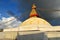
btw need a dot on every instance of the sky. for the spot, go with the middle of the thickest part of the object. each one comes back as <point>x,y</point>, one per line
<point>6,5</point>
<point>24,7</point>
<point>16,7</point>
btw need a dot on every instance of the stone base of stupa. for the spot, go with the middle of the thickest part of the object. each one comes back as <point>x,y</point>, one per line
<point>40,34</point>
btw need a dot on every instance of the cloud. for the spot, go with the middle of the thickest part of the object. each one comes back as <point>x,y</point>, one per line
<point>9,22</point>
<point>15,23</point>
<point>2,25</point>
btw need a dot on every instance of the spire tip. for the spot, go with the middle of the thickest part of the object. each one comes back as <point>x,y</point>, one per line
<point>33,12</point>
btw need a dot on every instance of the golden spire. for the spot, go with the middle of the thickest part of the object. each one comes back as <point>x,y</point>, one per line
<point>33,12</point>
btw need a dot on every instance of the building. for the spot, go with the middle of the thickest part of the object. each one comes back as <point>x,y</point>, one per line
<point>34,28</point>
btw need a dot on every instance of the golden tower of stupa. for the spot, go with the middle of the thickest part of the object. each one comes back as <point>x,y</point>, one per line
<point>33,12</point>
<point>34,19</point>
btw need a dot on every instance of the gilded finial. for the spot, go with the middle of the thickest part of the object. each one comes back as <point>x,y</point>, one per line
<point>33,12</point>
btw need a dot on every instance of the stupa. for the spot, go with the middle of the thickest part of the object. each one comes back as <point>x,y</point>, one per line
<point>32,23</point>
<point>34,28</point>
